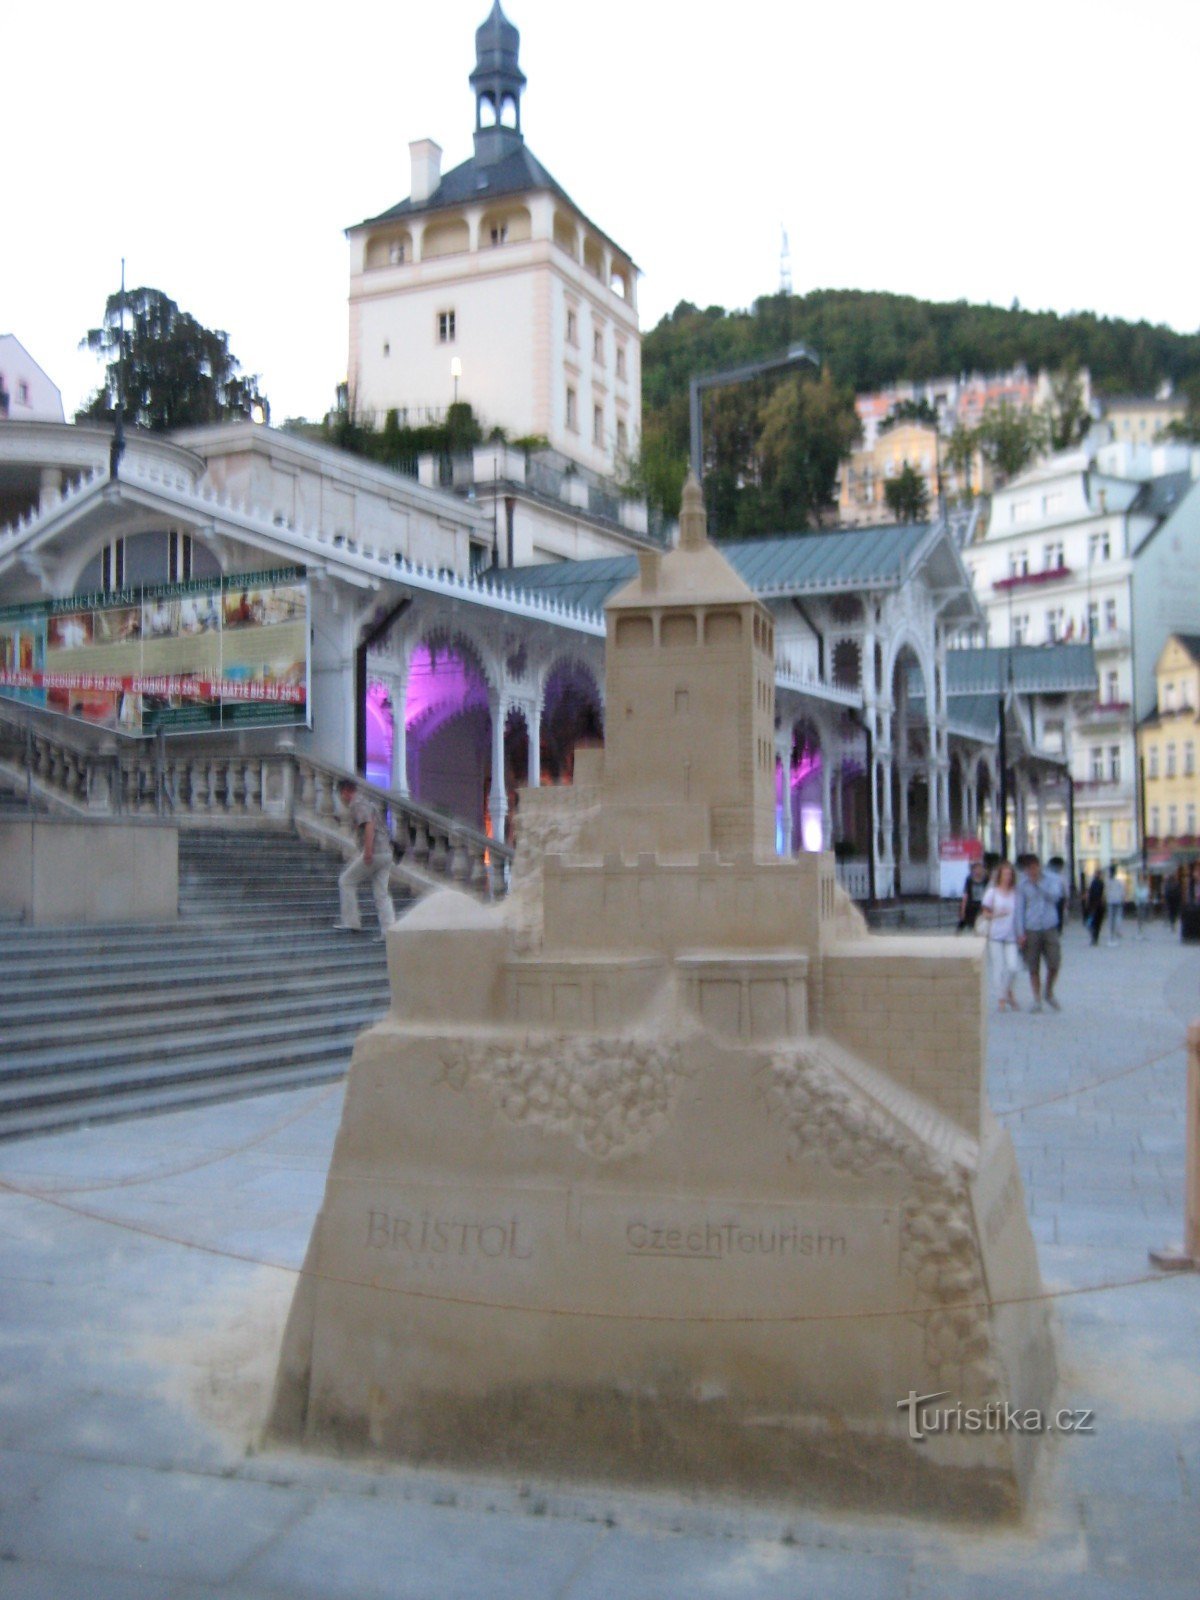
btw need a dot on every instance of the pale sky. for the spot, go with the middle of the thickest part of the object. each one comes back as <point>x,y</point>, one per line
<point>1040,151</point>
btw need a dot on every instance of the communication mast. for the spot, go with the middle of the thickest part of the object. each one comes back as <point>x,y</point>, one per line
<point>785,265</point>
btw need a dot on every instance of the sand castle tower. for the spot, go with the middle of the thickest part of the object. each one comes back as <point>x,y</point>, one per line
<point>664,1167</point>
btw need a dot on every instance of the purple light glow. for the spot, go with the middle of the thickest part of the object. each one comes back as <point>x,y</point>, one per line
<point>442,684</point>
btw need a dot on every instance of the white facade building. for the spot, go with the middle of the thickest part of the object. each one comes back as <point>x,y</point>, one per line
<point>1066,559</point>
<point>489,285</point>
<point>26,393</point>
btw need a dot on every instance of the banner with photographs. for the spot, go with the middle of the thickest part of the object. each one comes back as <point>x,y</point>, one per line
<point>180,657</point>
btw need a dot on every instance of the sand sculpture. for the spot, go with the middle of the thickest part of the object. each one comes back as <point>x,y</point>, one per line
<point>665,1167</point>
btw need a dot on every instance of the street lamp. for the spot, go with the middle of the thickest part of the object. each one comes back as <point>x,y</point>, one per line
<point>794,356</point>
<point>456,374</point>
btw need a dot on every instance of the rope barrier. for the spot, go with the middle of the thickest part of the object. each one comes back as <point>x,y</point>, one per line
<point>592,1315</point>
<point>1095,1083</point>
<point>178,1169</point>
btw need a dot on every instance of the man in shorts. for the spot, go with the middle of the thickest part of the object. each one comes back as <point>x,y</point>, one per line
<point>1035,918</point>
<point>372,863</point>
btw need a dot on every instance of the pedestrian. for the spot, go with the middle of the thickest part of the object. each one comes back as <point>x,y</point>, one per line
<point>1055,871</point>
<point>1093,905</point>
<point>999,904</point>
<point>1172,899</point>
<point>1035,921</point>
<point>972,897</point>
<point>371,864</point>
<point>1115,893</point>
<point>1141,902</point>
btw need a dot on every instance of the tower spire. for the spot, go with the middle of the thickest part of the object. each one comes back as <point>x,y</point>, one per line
<point>497,81</point>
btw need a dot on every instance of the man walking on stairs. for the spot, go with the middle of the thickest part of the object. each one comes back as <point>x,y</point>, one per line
<point>372,864</point>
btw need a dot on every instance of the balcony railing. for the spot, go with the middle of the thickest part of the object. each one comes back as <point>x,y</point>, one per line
<point>1018,580</point>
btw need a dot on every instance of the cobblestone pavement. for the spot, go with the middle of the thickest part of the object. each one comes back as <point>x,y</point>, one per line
<point>134,1373</point>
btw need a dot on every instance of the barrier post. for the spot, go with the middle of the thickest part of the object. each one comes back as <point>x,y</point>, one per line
<point>1188,1259</point>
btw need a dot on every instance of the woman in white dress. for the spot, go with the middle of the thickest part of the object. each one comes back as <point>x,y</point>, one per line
<point>1004,957</point>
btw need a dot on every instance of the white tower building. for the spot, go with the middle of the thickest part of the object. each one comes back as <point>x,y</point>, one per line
<point>489,285</point>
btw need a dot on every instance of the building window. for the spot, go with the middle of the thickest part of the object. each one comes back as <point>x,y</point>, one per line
<point>598,347</point>
<point>572,329</point>
<point>1020,629</point>
<point>1189,760</point>
<point>22,392</point>
<point>1093,833</point>
<point>1170,761</point>
<point>621,361</point>
<point>1168,697</point>
<point>1154,761</point>
<point>479,557</point>
<point>112,565</point>
<point>622,439</point>
<point>1018,561</point>
<point>1185,695</point>
<point>1097,763</point>
<point>1054,624</point>
<point>1191,822</point>
<point>1022,510</point>
<point>572,410</point>
<point>1114,762</point>
<point>1112,691</point>
<point>1155,820</point>
<point>1052,504</point>
<point>396,254</point>
<point>500,234</point>
<point>1098,546</point>
<point>446,328</point>
<point>1172,821</point>
<point>598,426</point>
<point>1052,556</point>
<point>1110,616</point>
<point>1093,619</point>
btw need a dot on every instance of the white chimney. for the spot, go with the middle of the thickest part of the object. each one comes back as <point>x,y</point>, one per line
<point>426,168</point>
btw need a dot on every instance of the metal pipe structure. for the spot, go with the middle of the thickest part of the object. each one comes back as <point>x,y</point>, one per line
<point>794,356</point>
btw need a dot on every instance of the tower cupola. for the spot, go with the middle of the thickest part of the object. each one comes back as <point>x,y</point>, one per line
<point>497,81</point>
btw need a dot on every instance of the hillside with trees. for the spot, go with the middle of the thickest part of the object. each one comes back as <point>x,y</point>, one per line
<point>773,446</point>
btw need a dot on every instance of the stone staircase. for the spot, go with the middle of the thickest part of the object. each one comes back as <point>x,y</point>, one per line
<point>251,990</point>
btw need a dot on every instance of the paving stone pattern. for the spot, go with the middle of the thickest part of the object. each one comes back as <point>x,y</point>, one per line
<point>133,1371</point>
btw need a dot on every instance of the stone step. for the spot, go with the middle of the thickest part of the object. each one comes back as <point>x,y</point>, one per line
<point>134,983</point>
<point>251,958</point>
<point>65,1071</point>
<point>123,1101</point>
<point>69,1023</point>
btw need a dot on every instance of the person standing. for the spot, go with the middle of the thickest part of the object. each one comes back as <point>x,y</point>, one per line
<point>1093,906</point>
<point>1035,920</point>
<point>1141,902</point>
<point>1116,905</point>
<point>972,898</point>
<point>999,904</point>
<point>1172,899</point>
<point>372,864</point>
<point>1057,884</point>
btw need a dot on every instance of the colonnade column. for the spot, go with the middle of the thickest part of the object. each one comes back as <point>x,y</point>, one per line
<point>783,755</point>
<point>498,705</point>
<point>533,722</point>
<point>398,689</point>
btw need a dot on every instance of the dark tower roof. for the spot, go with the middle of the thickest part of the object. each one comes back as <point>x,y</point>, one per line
<point>497,81</point>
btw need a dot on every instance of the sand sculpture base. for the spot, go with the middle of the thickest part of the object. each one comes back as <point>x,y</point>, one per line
<point>698,1246</point>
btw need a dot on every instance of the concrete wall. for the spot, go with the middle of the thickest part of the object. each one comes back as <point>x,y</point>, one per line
<point>66,873</point>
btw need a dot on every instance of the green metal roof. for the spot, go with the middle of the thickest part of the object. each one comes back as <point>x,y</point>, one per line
<point>1035,669</point>
<point>790,563</point>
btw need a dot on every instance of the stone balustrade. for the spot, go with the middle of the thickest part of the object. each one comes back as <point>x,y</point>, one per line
<point>195,788</point>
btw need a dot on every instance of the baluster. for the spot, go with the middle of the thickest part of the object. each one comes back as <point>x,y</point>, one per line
<point>460,867</point>
<point>440,854</point>
<point>198,786</point>
<point>307,799</point>
<point>252,780</point>
<point>420,843</point>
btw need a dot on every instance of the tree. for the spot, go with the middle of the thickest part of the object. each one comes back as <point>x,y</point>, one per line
<point>1068,418</point>
<point>808,426</point>
<point>177,373</point>
<point>910,411</point>
<point>960,451</point>
<point>906,495</point>
<point>1009,438</point>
